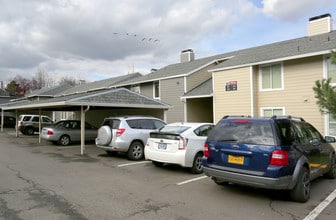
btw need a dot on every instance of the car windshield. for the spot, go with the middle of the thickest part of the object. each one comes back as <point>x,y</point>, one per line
<point>243,131</point>
<point>174,129</point>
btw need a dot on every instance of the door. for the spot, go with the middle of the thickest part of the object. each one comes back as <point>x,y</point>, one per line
<point>309,147</point>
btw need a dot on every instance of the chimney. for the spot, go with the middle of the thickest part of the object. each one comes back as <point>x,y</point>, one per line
<point>187,55</point>
<point>319,25</point>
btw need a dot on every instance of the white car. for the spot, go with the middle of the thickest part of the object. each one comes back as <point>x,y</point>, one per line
<point>178,143</point>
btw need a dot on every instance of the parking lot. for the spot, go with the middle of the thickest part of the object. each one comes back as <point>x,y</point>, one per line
<point>45,181</point>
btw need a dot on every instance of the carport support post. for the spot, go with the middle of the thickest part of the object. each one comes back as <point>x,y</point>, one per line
<point>2,119</point>
<point>82,130</point>
<point>40,126</point>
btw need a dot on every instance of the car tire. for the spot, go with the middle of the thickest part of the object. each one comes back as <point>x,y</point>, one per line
<point>135,151</point>
<point>29,131</point>
<point>220,182</point>
<point>331,174</point>
<point>104,135</point>
<point>301,191</point>
<point>197,166</point>
<point>157,163</point>
<point>64,140</point>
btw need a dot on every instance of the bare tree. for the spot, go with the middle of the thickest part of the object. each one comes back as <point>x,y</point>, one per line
<point>68,80</point>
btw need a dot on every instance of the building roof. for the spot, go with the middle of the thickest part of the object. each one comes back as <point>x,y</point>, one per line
<point>202,90</point>
<point>101,84</point>
<point>284,50</point>
<point>3,93</point>
<point>49,92</point>
<point>120,97</point>
<point>177,70</point>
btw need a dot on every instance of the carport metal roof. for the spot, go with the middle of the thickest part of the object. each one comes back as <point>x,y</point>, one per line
<point>104,98</point>
<point>120,97</point>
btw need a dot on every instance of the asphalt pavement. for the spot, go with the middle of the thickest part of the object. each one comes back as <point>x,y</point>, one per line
<point>46,181</point>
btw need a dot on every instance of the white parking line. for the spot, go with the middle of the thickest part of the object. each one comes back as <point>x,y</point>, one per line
<point>313,214</point>
<point>191,180</point>
<point>135,163</point>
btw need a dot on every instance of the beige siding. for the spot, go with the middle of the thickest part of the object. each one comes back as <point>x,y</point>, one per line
<point>199,110</point>
<point>298,96</point>
<point>232,102</point>
<point>320,26</point>
<point>96,117</point>
<point>147,89</point>
<point>171,91</point>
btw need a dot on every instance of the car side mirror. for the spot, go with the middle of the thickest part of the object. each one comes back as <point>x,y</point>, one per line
<point>330,139</point>
<point>314,142</point>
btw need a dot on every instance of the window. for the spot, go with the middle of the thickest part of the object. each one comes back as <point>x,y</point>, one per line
<point>269,112</point>
<point>331,71</point>
<point>332,125</point>
<point>271,77</point>
<point>156,90</point>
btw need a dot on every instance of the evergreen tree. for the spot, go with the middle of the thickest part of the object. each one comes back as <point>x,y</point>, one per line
<point>326,93</point>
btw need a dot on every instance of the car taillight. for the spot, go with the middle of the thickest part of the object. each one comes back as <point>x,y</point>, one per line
<point>50,132</point>
<point>120,131</point>
<point>206,152</point>
<point>279,158</point>
<point>21,123</point>
<point>182,143</point>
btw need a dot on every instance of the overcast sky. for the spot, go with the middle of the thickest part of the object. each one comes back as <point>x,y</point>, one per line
<point>99,39</point>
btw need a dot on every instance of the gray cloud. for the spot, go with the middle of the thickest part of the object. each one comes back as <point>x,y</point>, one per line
<point>89,39</point>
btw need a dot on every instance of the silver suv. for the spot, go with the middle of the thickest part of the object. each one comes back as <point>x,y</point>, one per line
<point>28,124</point>
<point>127,134</point>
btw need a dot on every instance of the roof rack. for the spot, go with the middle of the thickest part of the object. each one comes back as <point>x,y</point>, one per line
<point>287,117</point>
<point>226,116</point>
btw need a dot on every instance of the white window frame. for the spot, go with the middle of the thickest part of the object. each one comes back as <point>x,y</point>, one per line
<point>154,93</point>
<point>261,79</point>
<point>262,109</point>
<point>327,60</point>
<point>327,115</point>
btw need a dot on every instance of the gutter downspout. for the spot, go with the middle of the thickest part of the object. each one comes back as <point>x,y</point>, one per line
<point>83,111</point>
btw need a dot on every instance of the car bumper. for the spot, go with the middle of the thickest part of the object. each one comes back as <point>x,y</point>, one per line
<point>249,180</point>
<point>121,147</point>
<point>49,137</point>
<point>178,157</point>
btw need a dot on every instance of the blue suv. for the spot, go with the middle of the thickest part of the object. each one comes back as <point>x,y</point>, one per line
<point>282,153</point>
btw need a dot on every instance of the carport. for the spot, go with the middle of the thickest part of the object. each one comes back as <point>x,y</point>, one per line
<point>119,100</point>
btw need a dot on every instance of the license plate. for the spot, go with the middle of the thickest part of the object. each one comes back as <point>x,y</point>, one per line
<point>236,159</point>
<point>162,146</point>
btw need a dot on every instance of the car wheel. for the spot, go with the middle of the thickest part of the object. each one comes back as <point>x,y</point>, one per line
<point>157,164</point>
<point>135,151</point>
<point>301,191</point>
<point>64,140</point>
<point>197,166</point>
<point>29,131</point>
<point>331,174</point>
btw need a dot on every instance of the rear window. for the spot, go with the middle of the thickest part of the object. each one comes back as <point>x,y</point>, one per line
<point>243,131</point>
<point>26,118</point>
<point>113,123</point>
<point>174,129</point>
<point>142,124</point>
